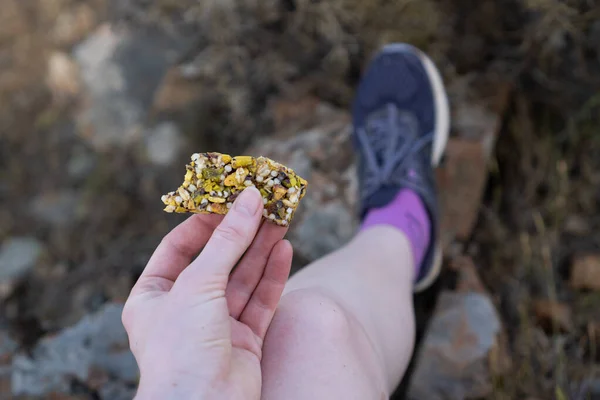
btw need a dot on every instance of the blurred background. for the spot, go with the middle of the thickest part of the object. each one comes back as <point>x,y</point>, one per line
<point>103,101</point>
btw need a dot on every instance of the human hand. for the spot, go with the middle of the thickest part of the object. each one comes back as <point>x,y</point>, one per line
<point>196,330</point>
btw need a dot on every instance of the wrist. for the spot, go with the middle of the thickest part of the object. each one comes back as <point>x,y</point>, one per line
<point>172,383</point>
<point>172,388</point>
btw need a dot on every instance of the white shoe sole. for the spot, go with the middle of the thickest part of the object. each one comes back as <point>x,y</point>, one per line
<point>440,139</point>
<point>442,108</point>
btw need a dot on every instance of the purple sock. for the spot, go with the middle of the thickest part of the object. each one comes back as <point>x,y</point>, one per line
<point>408,214</point>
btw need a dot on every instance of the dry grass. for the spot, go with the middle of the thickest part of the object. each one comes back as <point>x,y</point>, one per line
<point>547,173</point>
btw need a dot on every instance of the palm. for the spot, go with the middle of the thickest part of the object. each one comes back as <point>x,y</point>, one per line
<point>179,312</point>
<point>242,355</point>
<point>246,370</point>
<point>244,327</point>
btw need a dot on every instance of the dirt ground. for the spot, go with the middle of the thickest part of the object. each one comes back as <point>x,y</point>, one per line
<point>89,205</point>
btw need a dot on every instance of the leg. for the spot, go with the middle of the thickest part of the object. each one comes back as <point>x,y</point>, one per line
<point>345,326</point>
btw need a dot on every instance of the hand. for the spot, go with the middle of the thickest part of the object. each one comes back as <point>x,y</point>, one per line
<point>197,329</point>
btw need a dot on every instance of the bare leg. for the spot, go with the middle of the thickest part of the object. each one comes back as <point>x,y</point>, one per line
<point>345,325</point>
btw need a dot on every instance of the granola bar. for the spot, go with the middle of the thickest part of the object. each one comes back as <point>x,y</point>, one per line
<point>213,181</point>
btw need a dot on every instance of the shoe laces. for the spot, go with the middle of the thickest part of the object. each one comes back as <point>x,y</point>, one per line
<point>389,141</point>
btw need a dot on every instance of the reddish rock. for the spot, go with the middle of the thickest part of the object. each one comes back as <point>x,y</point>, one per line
<point>585,272</point>
<point>462,176</point>
<point>97,377</point>
<point>63,396</point>
<point>464,347</point>
<point>593,331</point>
<point>461,181</point>
<point>553,316</point>
<point>577,225</point>
<point>293,113</point>
<point>7,349</point>
<point>63,78</point>
<point>468,280</point>
<point>176,92</point>
<point>463,337</point>
<point>73,24</point>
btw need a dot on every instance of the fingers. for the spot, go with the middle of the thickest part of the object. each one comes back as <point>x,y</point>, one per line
<point>227,244</point>
<point>175,252</point>
<point>262,305</point>
<point>250,269</point>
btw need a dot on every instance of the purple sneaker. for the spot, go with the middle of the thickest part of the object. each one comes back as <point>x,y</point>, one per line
<point>401,124</point>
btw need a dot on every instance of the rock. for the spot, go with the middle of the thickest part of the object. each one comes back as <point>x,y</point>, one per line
<point>323,230</point>
<point>585,272</point>
<point>469,280</point>
<point>176,92</point>
<point>56,208</point>
<point>453,361</point>
<point>473,121</point>
<point>73,24</point>
<point>62,396</point>
<point>110,117</point>
<point>120,71</point>
<point>163,143</point>
<point>463,174</point>
<point>593,330</point>
<point>18,256</point>
<point>7,349</point>
<point>294,113</point>
<point>577,225</point>
<point>323,155</point>
<point>553,316</point>
<point>63,76</point>
<point>464,345</point>
<point>81,163</point>
<point>117,391</point>
<point>594,37</point>
<point>93,351</point>
<point>558,40</point>
<point>120,286</point>
<point>594,389</point>
<point>461,182</point>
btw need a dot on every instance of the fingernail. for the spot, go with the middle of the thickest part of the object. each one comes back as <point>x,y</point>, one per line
<point>248,202</point>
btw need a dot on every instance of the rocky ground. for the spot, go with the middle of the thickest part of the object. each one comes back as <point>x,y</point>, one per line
<point>101,102</point>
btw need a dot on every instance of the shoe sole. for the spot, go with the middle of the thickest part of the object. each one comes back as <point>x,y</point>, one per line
<point>440,139</point>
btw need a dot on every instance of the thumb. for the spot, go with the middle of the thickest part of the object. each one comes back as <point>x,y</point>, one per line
<point>229,241</point>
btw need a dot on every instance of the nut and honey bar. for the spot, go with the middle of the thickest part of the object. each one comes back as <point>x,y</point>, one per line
<point>213,181</point>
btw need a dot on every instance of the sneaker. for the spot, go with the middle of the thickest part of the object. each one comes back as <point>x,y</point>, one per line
<point>401,124</point>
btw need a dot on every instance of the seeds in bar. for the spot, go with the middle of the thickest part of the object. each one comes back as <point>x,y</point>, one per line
<point>213,181</point>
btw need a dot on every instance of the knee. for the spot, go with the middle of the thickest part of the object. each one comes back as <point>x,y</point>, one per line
<point>314,347</point>
<point>313,313</point>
